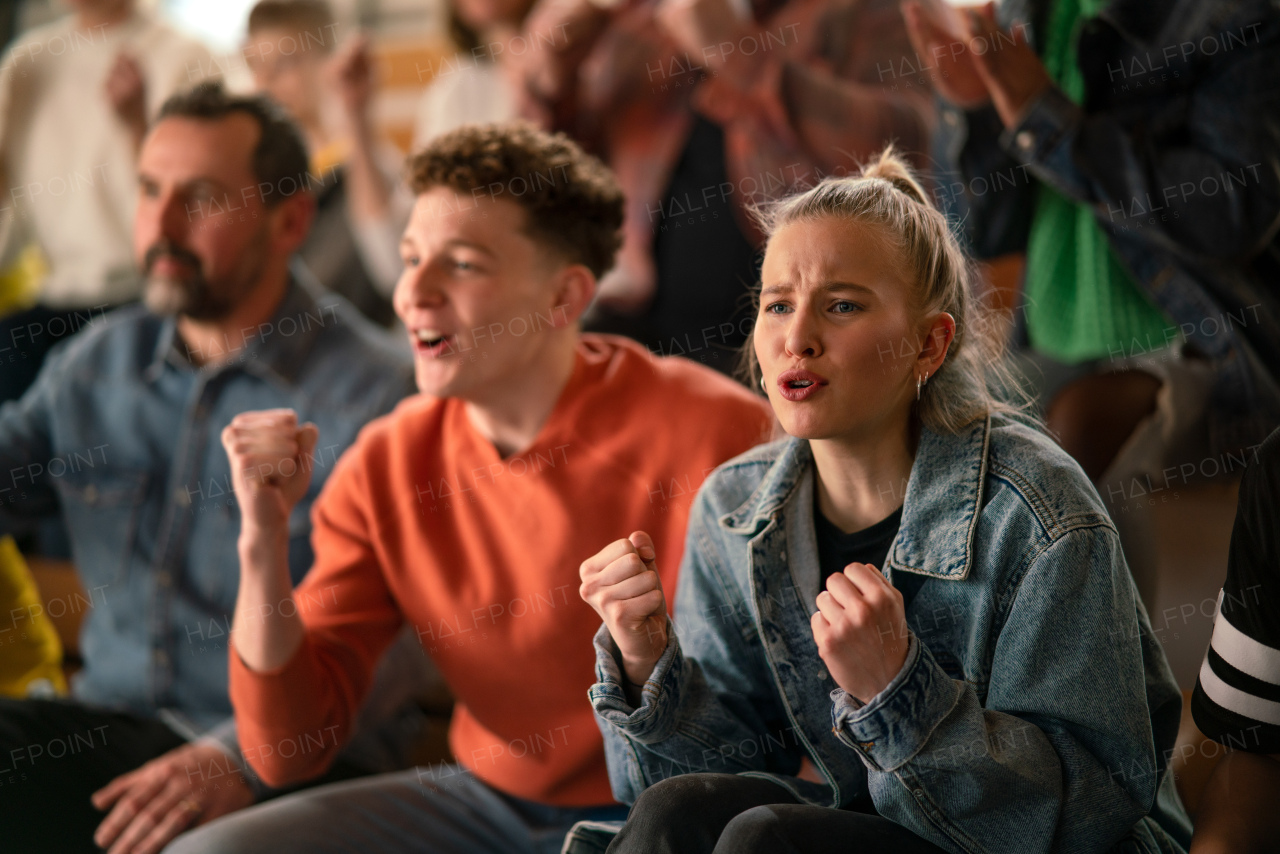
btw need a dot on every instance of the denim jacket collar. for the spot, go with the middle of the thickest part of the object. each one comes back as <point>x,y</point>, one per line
<point>276,356</point>
<point>1152,24</point>
<point>939,514</point>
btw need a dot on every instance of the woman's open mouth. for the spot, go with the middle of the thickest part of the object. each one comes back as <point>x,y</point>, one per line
<point>800,385</point>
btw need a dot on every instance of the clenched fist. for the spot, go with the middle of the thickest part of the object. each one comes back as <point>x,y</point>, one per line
<point>622,584</point>
<point>271,458</point>
<point>861,630</point>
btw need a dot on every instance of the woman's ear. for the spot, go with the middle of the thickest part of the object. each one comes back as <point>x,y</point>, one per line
<point>937,341</point>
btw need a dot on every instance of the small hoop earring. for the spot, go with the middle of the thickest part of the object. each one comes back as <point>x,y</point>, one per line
<point>920,384</point>
<point>763,387</point>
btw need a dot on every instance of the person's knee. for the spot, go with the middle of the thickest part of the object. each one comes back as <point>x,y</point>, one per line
<point>226,835</point>
<point>673,796</point>
<point>757,830</point>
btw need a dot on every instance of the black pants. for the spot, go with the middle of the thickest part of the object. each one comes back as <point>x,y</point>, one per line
<point>53,755</point>
<point>728,814</point>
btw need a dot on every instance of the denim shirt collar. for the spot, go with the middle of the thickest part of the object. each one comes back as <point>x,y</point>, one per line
<point>274,354</point>
<point>939,514</point>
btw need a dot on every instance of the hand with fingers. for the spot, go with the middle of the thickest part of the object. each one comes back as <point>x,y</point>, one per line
<point>126,90</point>
<point>152,805</point>
<point>351,74</point>
<point>271,458</point>
<point>1009,67</point>
<point>860,629</point>
<point>621,583</point>
<point>978,63</point>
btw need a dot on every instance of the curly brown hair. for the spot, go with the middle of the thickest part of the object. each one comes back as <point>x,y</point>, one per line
<point>572,203</point>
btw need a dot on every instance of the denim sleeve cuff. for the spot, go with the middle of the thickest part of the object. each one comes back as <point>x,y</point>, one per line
<point>1042,126</point>
<point>894,726</point>
<point>225,737</point>
<point>655,718</point>
<point>1044,140</point>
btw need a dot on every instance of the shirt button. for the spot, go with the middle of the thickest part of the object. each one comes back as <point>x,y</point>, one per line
<point>90,494</point>
<point>162,658</point>
<point>950,117</point>
<point>823,674</point>
<point>163,579</point>
<point>1026,140</point>
<point>182,496</point>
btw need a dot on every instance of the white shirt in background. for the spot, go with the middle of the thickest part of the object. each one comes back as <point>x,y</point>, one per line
<point>470,94</point>
<point>68,160</point>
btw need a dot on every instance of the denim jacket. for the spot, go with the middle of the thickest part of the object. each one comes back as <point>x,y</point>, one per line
<point>121,434</point>
<point>1176,150</point>
<point>1035,711</point>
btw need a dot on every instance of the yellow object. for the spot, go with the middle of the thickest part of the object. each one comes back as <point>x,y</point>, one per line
<point>329,158</point>
<point>30,653</point>
<point>20,283</point>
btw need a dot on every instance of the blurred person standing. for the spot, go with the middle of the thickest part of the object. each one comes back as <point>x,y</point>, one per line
<point>702,107</point>
<point>1126,148</point>
<point>118,437</point>
<point>294,56</point>
<point>479,83</point>
<point>75,97</point>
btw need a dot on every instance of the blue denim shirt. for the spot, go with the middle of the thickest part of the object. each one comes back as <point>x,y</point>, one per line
<point>123,434</point>
<point>1176,151</point>
<point>1034,713</point>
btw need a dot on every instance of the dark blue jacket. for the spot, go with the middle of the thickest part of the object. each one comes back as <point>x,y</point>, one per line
<point>1177,150</point>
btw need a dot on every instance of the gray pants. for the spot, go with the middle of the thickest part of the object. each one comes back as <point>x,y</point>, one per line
<point>440,809</point>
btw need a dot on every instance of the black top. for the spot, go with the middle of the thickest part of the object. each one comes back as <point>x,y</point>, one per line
<point>836,549</point>
<point>706,266</point>
<point>1237,697</point>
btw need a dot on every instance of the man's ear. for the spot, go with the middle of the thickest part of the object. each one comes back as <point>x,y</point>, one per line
<point>575,287</point>
<point>292,221</point>
<point>936,342</point>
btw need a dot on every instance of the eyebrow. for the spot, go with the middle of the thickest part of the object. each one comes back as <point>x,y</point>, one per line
<point>829,287</point>
<point>467,244</point>
<point>408,242</point>
<point>145,178</point>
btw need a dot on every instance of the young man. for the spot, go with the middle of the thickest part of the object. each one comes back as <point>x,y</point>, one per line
<point>120,431</point>
<point>467,512</point>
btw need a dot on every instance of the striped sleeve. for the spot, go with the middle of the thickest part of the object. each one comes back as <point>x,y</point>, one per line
<point>1237,696</point>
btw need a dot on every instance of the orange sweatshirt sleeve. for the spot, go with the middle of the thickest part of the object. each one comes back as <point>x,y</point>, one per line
<point>293,721</point>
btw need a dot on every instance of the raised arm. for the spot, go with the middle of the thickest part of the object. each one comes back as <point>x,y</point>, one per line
<point>301,661</point>
<point>1064,750</point>
<point>705,698</point>
<point>270,473</point>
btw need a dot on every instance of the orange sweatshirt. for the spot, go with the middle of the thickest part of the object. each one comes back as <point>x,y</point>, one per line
<point>423,522</point>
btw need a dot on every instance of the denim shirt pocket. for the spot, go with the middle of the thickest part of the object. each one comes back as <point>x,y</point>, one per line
<point>215,575</point>
<point>102,508</point>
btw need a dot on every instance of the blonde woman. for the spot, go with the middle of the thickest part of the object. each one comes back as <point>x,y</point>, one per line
<point>907,627</point>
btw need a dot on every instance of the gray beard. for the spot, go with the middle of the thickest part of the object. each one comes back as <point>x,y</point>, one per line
<point>193,298</point>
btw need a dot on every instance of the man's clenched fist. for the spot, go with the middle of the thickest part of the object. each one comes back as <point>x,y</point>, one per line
<point>622,584</point>
<point>271,458</point>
